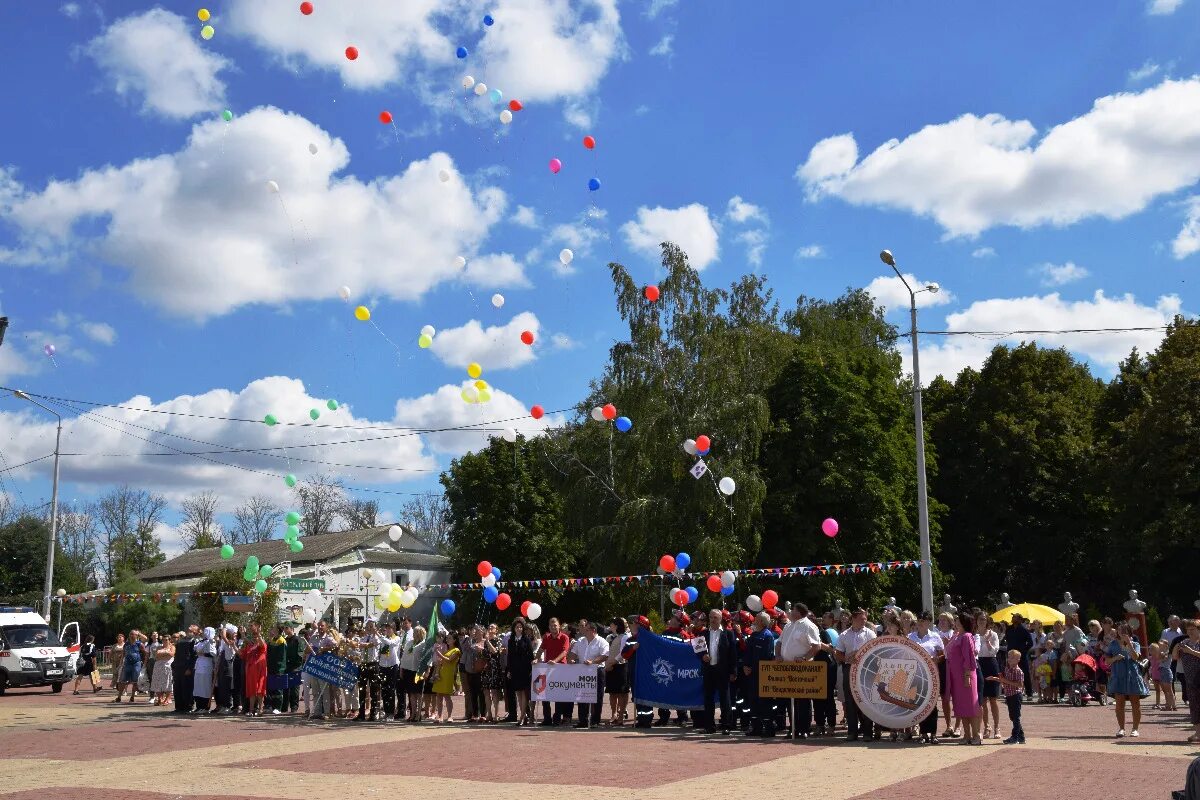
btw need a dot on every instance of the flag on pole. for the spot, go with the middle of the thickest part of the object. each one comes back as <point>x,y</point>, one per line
<point>426,659</point>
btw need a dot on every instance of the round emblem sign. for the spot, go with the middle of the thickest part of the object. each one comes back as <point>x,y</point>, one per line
<point>894,682</point>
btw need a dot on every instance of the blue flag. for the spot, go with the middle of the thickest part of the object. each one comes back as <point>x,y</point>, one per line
<point>666,673</point>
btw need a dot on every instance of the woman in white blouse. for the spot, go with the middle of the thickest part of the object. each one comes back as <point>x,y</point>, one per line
<point>989,666</point>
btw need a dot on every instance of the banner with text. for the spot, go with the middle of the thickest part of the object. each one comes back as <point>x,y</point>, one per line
<point>803,680</point>
<point>666,673</point>
<point>565,683</point>
<point>331,669</point>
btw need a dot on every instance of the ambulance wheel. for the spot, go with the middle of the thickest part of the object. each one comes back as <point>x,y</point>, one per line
<point>56,688</point>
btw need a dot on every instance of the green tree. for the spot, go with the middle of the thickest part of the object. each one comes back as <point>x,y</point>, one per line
<point>126,520</point>
<point>116,615</point>
<point>212,610</point>
<point>23,545</point>
<point>199,527</point>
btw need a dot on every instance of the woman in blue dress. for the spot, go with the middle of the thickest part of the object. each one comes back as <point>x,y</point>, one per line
<point>1125,682</point>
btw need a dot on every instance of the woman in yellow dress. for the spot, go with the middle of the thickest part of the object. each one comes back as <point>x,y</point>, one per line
<point>446,669</point>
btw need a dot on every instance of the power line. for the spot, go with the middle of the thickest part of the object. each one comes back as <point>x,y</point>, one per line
<point>1036,332</point>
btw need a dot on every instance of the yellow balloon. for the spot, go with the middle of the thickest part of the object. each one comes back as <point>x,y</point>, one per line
<point>393,607</point>
<point>481,385</point>
<point>207,32</point>
<point>380,602</point>
<point>362,313</point>
<point>203,15</point>
<point>484,395</point>
<point>470,394</point>
<point>474,370</point>
<point>424,341</point>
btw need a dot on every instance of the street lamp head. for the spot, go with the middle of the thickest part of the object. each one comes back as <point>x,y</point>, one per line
<point>19,394</point>
<point>887,258</point>
<point>933,288</point>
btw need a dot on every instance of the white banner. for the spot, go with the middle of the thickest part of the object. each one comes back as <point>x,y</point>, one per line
<point>565,683</point>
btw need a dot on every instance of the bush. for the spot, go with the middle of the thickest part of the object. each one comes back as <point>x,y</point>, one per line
<point>230,581</point>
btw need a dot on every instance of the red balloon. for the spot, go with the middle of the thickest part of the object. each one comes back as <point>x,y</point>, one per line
<point>589,143</point>
<point>385,117</point>
<point>537,412</point>
<point>703,443</point>
<point>667,563</point>
<point>769,598</point>
<point>527,337</point>
<point>352,52</point>
<point>680,597</point>
<point>306,8</point>
<point>484,568</point>
<point>610,411</point>
<point>714,583</point>
<point>515,105</point>
<point>524,607</point>
<point>503,601</point>
<point>651,293</point>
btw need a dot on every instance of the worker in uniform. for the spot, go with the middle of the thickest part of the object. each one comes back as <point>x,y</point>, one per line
<point>760,647</point>
<point>677,631</point>
<point>742,628</point>
<point>644,715</point>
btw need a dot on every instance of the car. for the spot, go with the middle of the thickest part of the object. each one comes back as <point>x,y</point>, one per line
<point>31,654</point>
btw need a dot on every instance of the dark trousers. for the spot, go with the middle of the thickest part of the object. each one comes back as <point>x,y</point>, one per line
<point>857,723</point>
<point>825,710</point>
<point>1028,674</point>
<point>1014,716</point>
<point>800,716</point>
<point>664,716</point>
<point>472,684</point>
<point>762,713</point>
<point>277,697</point>
<point>716,681</point>
<point>930,723</point>
<point>510,702</point>
<point>368,684</point>
<point>239,684</point>
<point>389,678</point>
<point>224,669</point>
<point>589,713</point>
<point>562,712</point>
<point>741,705</point>
<point>184,699</point>
<point>644,716</point>
<point>291,695</point>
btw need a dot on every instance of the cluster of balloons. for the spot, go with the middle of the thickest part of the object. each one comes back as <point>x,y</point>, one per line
<point>253,572</point>
<point>391,596</point>
<point>681,597</point>
<point>50,350</point>
<point>721,583</point>
<point>270,420</point>
<point>769,599</point>
<point>479,391</point>
<point>530,610</point>
<point>698,446</point>
<point>488,576</point>
<point>309,615</point>
<point>207,31</point>
<point>495,95</point>
<point>669,564</point>
<point>291,534</point>
<point>425,338</point>
<point>609,412</point>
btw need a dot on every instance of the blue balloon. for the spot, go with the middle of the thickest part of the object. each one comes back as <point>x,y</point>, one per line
<point>487,20</point>
<point>594,184</point>
<point>448,607</point>
<point>701,453</point>
<point>461,52</point>
<point>490,594</point>
<point>623,424</point>
<point>726,591</point>
<point>692,593</point>
<point>496,573</point>
<point>495,95</point>
<point>683,561</point>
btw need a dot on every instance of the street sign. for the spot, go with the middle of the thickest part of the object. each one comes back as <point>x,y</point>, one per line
<point>301,584</point>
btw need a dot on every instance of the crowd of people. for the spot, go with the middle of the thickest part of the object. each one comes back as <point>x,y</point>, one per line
<point>408,675</point>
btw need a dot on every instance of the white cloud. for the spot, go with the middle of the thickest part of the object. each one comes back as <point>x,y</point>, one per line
<point>445,408</point>
<point>495,271</point>
<point>14,361</point>
<point>664,46</point>
<point>974,173</point>
<point>689,227</point>
<point>983,252</point>
<point>756,244</point>
<point>642,110</point>
<point>656,7</point>
<point>810,251</point>
<point>100,332</point>
<point>1061,274</point>
<point>741,212</point>
<point>1163,7</point>
<point>1147,70</point>
<point>70,10</point>
<point>561,341</point>
<point>526,217</point>
<point>950,354</point>
<point>396,236</point>
<point>156,57</point>
<point>581,237</point>
<point>890,293</point>
<point>494,348</point>
<point>1188,239</point>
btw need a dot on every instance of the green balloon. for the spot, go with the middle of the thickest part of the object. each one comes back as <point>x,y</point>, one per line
<point>314,413</point>
<point>260,586</point>
<point>332,405</point>
<point>289,479</point>
<point>265,571</point>
<point>292,518</point>
<point>252,563</point>
<point>227,115</point>
<point>270,419</point>
<point>296,546</point>
<point>293,532</point>
<point>226,551</point>
<point>249,574</point>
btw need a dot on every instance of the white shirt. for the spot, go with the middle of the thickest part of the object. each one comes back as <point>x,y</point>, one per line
<point>931,642</point>
<point>851,640</point>
<point>988,644</point>
<point>1169,634</point>
<point>392,657</point>
<point>408,652</point>
<point>370,651</point>
<point>714,647</point>
<point>594,650</point>
<point>798,638</point>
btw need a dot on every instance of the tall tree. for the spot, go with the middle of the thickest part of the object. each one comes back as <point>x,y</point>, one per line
<point>23,544</point>
<point>127,519</point>
<point>254,520</point>
<point>199,527</point>
<point>429,516</point>
<point>77,532</point>
<point>321,498</point>
<point>357,513</point>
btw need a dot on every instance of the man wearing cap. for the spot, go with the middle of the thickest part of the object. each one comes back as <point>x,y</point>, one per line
<point>643,714</point>
<point>676,631</point>
<point>800,641</point>
<point>849,643</point>
<point>719,670</point>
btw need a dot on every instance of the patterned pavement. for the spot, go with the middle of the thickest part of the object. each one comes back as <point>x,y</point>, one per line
<point>61,746</point>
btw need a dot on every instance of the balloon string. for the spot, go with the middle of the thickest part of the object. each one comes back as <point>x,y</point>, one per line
<point>384,335</point>
<point>292,228</point>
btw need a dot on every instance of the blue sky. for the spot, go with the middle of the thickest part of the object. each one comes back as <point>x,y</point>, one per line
<point>1039,162</point>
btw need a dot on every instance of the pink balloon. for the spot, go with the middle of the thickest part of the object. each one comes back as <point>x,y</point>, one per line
<point>555,165</point>
<point>830,527</point>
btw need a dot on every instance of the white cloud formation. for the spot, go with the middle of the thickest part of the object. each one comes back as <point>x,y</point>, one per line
<point>948,355</point>
<point>156,58</point>
<point>445,408</point>
<point>526,217</point>
<point>493,348</point>
<point>664,47</point>
<point>975,173</point>
<point>100,332</point>
<point>742,212</point>
<point>983,252</point>
<point>1187,241</point>
<point>562,341</point>
<point>70,10</point>
<point>656,7</point>
<point>495,271</point>
<point>1163,7</point>
<point>580,236</point>
<point>1147,70</point>
<point>809,251</point>
<point>689,227</point>
<point>755,242</point>
<point>1061,274</point>
<point>201,234</point>
<point>890,293</point>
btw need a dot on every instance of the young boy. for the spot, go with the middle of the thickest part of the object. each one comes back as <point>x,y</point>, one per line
<point>1012,684</point>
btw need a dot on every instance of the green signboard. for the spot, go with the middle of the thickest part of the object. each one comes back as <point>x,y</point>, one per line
<point>301,584</point>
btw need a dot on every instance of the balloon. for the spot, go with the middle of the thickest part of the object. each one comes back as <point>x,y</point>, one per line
<point>484,395</point>
<point>469,394</point>
<point>667,563</point>
<point>728,578</point>
<point>505,117</point>
<point>727,485</point>
<point>49,350</point>
<point>344,292</point>
<point>306,8</point>
<point>314,413</point>
<point>332,405</point>
<point>490,594</point>
<point>362,313</point>
<point>480,89</point>
<point>495,95</point>
<point>537,412</point>
<point>598,414</point>
<point>385,117</point>
<point>203,15</point>
<point>609,411</point>
<point>468,81</point>
<point>680,597</point>
<point>292,518</point>
<point>290,480</point>
<point>692,593</point>
<point>312,148</point>
<point>265,571</point>
<point>429,331</point>
<point>535,611</point>
<point>510,435</point>
<point>483,568</point>
<point>703,443</point>
<point>260,586</point>
<point>380,575</point>
<point>503,601</point>
<point>308,615</point>
<point>393,604</point>
<point>474,370</point>
<point>525,607</point>
<point>460,262</point>
<point>689,446</point>
<point>527,337</point>
<point>447,607</point>
<point>488,580</point>
<point>589,143</point>
<point>683,561</point>
<point>566,256</point>
<point>252,562</point>
<point>555,165</point>
<point>366,572</point>
<point>481,384</point>
<point>830,527</point>
<point>496,573</point>
<point>314,596</point>
<point>352,52</point>
<point>227,115</point>
<point>594,184</point>
<point>726,591</point>
<point>405,600</point>
<point>296,546</point>
<point>487,20</point>
<point>424,341</point>
<point>497,300</point>
<point>754,603</point>
<point>515,105</point>
<point>623,424</point>
<point>395,532</point>
<point>443,175</point>
<point>651,293</point>
<point>269,420</point>
<point>273,186</point>
<point>226,551</point>
<point>769,598</point>
<point>293,532</point>
<point>714,583</point>
<point>207,32</point>
<point>461,52</point>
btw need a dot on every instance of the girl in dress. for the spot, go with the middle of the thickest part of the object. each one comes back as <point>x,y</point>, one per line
<point>160,679</point>
<point>1125,681</point>
<point>116,657</point>
<point>254,656</point>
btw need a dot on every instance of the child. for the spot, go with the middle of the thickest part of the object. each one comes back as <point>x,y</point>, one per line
<point>1163,677</point>
<point>1012,684</point>
<point>1066,671</point>
<point>1052,656</point>
<point>1044,673</point>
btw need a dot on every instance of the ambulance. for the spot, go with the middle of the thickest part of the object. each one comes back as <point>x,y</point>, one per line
<point>31,654</point>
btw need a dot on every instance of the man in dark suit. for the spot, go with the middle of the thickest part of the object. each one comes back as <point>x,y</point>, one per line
<point>182,666</point>
<point>1020,639</point>
<point>719,671</point>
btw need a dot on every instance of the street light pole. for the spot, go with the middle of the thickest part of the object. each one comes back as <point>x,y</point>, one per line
<point>922,491</point>
<point>53,505</point>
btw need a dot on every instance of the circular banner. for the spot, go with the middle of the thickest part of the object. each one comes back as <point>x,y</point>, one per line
<point>894,682</point>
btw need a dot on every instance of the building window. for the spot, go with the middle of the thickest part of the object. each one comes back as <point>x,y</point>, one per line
<point>400,578</point>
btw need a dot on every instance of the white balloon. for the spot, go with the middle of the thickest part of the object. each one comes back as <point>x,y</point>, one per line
<point>429,331</point>
<point>443,175</point>
<point>598,414</point>
<point>689,447</point>
<point>381,576</point>
<point>506,116</point>
<point>754,603</point>
<point>510,435</point>
<point>481,89</point>
<point>468,82</point>
<point>312,148</point>
<point>344,292</point>
<point>460,262</point>
<point>366,572</point>
<point>497,300</point>
<point>273,186</point>
<point>488,580</point>
<point>470,394</point>
<point>728,578</point>
<point>314,595</point>
<point>535,611</point>
<point>566,256</point>
<point>308,615</point>
<point>727,486</point>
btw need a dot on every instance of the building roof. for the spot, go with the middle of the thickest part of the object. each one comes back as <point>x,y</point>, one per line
<point>410,551</point>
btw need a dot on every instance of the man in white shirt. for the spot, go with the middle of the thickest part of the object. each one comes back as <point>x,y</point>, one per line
<point>1172,631</point>
<point>389,669</point>
<point>368,674</point>
<point>799,641</point>
<point>591,650</point>
<point>849,643</point>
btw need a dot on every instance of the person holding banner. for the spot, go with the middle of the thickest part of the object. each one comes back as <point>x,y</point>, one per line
<point>616,679</point>
<point>556,645</point>
<point>719,671</point>
<point>590,650</point>
<point>850,642</point>
<point>931,642</point>
<point>760,647</point>
<point>800,641</point>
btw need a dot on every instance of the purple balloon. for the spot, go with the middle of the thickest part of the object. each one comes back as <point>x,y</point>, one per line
<point>49,350</point>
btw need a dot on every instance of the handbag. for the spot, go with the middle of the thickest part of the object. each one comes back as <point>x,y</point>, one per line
<point>95,676</point>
